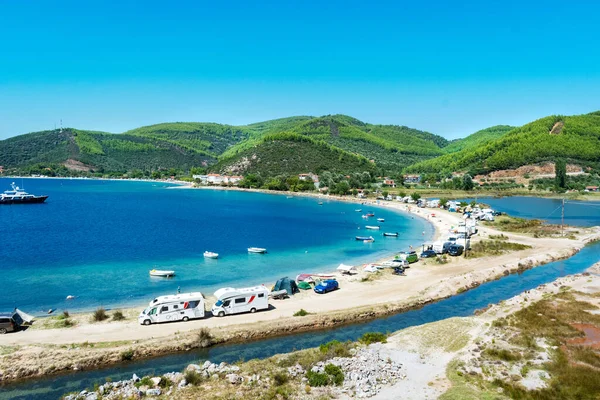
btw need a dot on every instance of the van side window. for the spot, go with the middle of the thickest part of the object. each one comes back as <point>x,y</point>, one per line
<point>194,304</point>
<point>164,308</point>
<point>4,320</point>
<point>153,311</point>
<point>261,295</point>
<point>175,306</point>
<point>240,300</point>
<point>226,304</point>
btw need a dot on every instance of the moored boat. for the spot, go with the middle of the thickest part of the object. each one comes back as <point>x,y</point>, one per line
<point>19,196</point>
<point>364,237</point>
<point>210,254</point>
<point>375,228</point>
<point>257,250</point>
<point>391,234</point>
<point>358,210</point>
<point>380,220</point>
<point>370,214</point>
<point>365,217</point>
<point>162,273</point>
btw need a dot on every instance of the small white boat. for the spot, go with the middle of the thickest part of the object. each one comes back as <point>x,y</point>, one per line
<point>375,228</point>
<point>365,217</point>
<point>380,220</point>
<point>358,210</point>
<point>162,273</point>
<point>210,254</point>
<point>257,250</point>
<point>391,234</point>
<point>369,240</point>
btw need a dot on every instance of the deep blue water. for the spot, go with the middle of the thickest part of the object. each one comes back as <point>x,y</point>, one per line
<point>463,304</point>
<point>97,240</point>
<point>577,213</point>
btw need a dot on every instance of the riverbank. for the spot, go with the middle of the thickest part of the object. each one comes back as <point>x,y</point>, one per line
<point>468,358</point>
<point>88,345</point>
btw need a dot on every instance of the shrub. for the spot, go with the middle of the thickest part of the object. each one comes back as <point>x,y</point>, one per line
<point>205,338</point>
<point>64,315</point>
<point>301,313</point>
<point>99,315</point>
<point>373,337</point>
<point>165,382</point>
<point>336,374</point>
<point>317,379</point>
<point>127,355</point>
<point>118,316</point>
<point>145,381</point>
<point>280,378</point>
<point>193,378</point>
<point>335,348</point>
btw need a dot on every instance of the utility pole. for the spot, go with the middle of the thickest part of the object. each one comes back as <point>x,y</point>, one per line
<point>562,218</point>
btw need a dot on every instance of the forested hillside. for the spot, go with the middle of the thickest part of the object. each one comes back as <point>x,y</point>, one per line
<point>290,153</point>
<point>576,139</point>
<point>478,138</point>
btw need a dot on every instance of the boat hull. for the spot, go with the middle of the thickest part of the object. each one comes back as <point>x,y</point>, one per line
<point>28,200</point>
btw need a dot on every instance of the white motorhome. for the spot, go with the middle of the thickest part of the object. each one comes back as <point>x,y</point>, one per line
<point>461,240</point>
<point>179,307</point>
<point>236,301</point>
<point>441,247</point>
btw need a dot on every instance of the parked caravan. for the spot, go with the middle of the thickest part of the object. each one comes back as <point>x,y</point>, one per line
<point>179,307</point>
<point>460,240</point>
<point>236,301</point>
<point>441,247</point>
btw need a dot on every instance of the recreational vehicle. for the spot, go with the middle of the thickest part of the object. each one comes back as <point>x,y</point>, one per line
<point>236,301</point>
<point>179,307</point>
<point>441,247</point>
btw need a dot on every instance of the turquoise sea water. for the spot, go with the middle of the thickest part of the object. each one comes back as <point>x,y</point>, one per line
<point>97,240</point>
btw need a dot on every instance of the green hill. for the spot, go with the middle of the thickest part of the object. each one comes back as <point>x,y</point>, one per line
<point>478,138</point>
<point>289,153</point>
<point>390,147</point>
<point>573,138</point>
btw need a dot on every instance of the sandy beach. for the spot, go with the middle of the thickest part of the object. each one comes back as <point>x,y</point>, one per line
<point>425,281</point>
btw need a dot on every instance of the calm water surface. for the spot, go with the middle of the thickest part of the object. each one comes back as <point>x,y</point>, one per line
<point>97,240</point>
<point>577,213</point>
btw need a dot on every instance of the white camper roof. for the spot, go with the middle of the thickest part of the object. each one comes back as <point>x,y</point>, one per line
<point>177,297</point>
<point>232,292</point>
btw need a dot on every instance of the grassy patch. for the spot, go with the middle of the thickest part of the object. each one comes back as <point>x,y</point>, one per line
<point>193,378</point>
<point>494,247</point>
<point>534,227</point>
<point>503,354</point>
<point>465,387</point>
<point>333,375</point>
<point>373,337</point>
<point>301,313</point>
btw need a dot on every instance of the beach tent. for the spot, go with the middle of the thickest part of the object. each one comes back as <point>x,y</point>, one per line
<point>346,269</point>
<point>287,284</point>
<point>371,268</point>
<point>304,285</point>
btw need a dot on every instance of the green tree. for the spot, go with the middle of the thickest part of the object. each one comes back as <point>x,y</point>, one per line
<point>385,193</point>
<point>560,171</point>
<point>415,196</point>
<point>342,187</point>
<point>443,202</point>
<point>467,182</point>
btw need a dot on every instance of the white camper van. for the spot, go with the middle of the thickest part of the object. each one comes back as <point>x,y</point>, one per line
<point>236,301</point>
<point>179,307</point>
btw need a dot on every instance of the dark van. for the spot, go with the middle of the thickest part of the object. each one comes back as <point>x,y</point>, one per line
<point>10,322</point>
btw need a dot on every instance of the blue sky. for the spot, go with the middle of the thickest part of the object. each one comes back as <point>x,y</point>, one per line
<point>450,69</point>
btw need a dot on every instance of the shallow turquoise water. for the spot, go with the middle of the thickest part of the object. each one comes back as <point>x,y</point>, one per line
<point>96,240</point>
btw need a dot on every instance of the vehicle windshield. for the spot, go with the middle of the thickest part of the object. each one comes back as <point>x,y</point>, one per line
<point>219,303</point>
<point>146,311</point>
